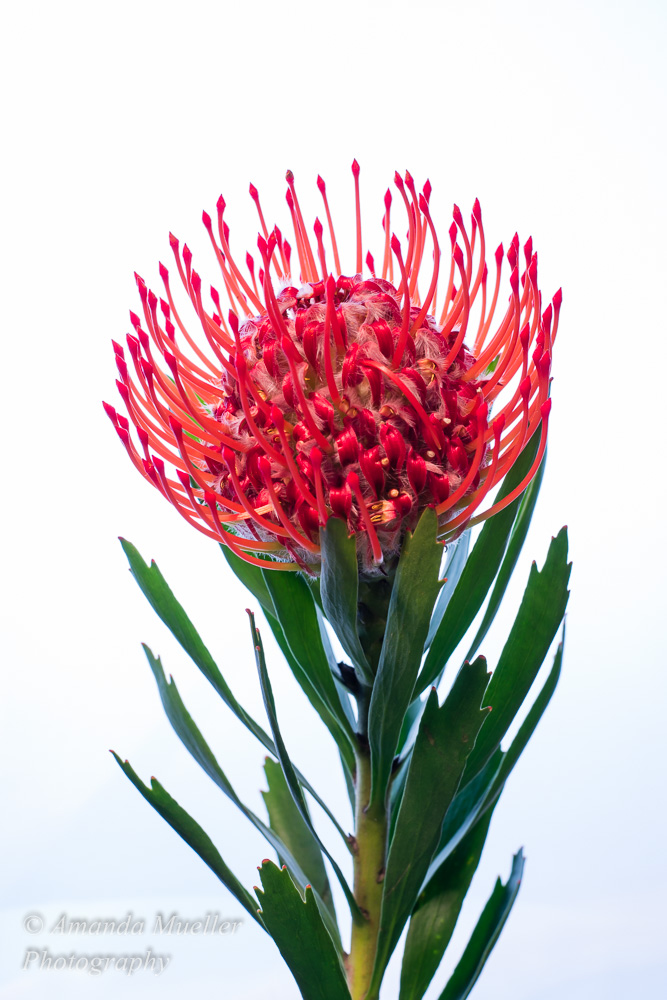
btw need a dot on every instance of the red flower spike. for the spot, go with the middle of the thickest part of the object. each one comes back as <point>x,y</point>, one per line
<point>416,470</point>
<point>110,412</point>
<point>345,397</point>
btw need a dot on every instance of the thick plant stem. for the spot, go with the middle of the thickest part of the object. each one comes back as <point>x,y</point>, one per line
<point>369,866</point>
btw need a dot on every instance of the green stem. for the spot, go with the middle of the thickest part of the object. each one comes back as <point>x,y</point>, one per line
<point>370,846</point>
<point>369,865</point>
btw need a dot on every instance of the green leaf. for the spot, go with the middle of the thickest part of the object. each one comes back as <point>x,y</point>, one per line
<point>479,795</point>
<point>409,728</point>
<point>536,624</point>
<point>514,547</point>
<point>162,600</point>
<point>320,706</point>
<point>478,575</point>
<point>296,613</point>
<point>285,819</point>
<point>446,737</point>
<point>187,731</point>
<point>293,618</point>
<point>251,576</point>
<point>485,935</point>
<point>191,832</point>
<point>296,926</point>
<point>286,764</point>
<point>509,758</point>
<point>437,911</point>
<point>457,554</point>
<point>282,618</point>
<point>468,806</point>
<point>415,590</point>
<point>339,589</point>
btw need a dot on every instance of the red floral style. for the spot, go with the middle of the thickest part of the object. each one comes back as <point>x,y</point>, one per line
<point>338,396</point>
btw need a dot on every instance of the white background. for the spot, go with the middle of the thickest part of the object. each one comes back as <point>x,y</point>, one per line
<point>122,121</point>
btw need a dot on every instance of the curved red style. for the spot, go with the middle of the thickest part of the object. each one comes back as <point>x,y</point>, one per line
<point>360,397</point>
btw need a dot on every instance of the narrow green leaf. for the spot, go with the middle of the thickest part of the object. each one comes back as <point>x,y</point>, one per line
<point>314,586</point>
<point>296,612</point>
<point>457,554</point>
<point>162,600</point>
<point>536,624</point>
<point>476,798</point>
<point>313,696</point>
<point>469,804</point>
<point>511,755</point>
<point>296,926</point>
<point>437,911</point>
<point>187,731</point>
<point>446,737</point>
<point>288,605</point>
<point>286,764</point>
<point>191,832</point>
<point>285,819</point>
<point>339,589</point>
<point>415,590</point>
<point>514,547</point>
<point>485,934</point>
<point>479,573</point>
<point>406,743</point>
<point>250,576</point>
<point>408,732</point>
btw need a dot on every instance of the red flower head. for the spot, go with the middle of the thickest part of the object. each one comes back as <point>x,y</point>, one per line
<point>360,397</point>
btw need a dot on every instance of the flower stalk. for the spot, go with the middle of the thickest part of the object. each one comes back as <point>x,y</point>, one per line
<point>369,867</point>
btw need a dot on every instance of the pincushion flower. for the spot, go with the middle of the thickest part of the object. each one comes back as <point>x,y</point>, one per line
<point>367,394</point>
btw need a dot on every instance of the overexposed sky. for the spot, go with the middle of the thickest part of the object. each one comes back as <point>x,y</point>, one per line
<point>122,122</point>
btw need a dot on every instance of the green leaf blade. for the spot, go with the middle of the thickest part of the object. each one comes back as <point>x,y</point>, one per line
<point>162,600</point>
<point>436,914</point>
<point>251,576</point>
<point>540,615</point>
<point>286,820</point>
<point>296,926</point>
<point>288,769</point>
<point>187,731</point>
<point>514,547</point>
<point>446,737</point>
<point>296,613</point>
<point>485,934</point>
<point>478,574</point>
<point>414,593</point>
<point>164,603</point>
<point>192,833</point>
<point>339,591</point>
